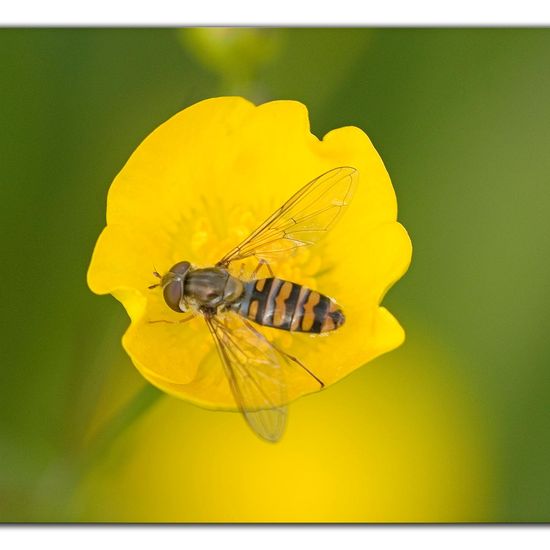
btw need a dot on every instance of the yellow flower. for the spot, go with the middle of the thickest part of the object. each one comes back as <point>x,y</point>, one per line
<point>197,186</point>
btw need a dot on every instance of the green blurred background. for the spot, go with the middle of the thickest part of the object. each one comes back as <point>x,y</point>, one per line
<point>453,426</point>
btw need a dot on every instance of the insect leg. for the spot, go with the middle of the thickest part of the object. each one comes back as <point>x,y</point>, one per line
<point>184,320</point>
<point>261,263</point>
<point>297,362</point>
<point>284,354</point>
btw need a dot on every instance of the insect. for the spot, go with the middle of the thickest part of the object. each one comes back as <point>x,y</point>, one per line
<point>233,306</point>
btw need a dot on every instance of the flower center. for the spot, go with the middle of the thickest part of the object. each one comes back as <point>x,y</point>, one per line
<point>211,229</point>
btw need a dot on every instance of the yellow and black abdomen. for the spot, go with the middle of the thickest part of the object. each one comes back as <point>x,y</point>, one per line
<point>289,306</point>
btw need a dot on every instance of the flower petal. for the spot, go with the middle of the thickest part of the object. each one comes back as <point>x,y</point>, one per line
<point>198,185</point>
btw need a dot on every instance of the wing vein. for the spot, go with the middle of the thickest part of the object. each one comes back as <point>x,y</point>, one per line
<point>314,210</point>
<point>254,374</point>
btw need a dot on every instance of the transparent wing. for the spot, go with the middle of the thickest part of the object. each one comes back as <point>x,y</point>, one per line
<point>303,219</point>
<point>254,373</point>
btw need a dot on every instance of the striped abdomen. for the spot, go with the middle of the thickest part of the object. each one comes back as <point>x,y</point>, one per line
<point>281,304</point>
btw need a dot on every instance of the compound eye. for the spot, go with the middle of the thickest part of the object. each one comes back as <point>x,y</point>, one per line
<point>181,268</point>
<point>173,293</point>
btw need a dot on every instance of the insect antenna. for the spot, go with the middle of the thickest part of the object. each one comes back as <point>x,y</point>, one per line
<point>158,276</point>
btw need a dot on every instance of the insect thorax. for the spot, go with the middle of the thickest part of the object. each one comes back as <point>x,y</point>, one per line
<point>212,287</point>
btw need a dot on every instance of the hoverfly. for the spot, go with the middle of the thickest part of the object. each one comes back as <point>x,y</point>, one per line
<point>232,306</point>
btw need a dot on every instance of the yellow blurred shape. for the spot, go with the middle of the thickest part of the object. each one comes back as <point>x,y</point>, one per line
<point>236,54</point>
<point>397,441</point>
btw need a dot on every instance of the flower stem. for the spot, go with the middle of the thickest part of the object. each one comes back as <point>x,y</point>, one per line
<point>144,399</point>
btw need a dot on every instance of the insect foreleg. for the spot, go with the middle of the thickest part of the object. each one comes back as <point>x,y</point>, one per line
<point>184,320</point>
